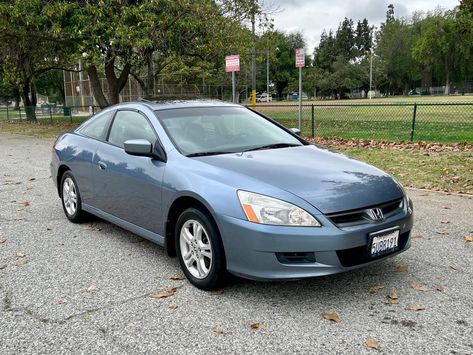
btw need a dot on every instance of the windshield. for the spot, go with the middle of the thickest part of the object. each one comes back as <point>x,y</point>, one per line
<point>218,130</point>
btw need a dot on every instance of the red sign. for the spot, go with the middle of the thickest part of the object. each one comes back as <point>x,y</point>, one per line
<point>232,63</point>
<point>300,58</point>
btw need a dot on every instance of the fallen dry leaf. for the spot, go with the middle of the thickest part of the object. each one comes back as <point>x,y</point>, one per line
<point>163,294</point>
<point>393,298</point>
<point>92,288</point>
<point>22,262</point>
<point>402,268</point>
<point>441,232</point>
<point>420,288</point>
<point>217,330</point>
<point>255,325</point>
<point>177,277</point>
<point>334,317</point>
<point>216,292</point>
<point>32,179</point>
<point>24,204</point>
<point>468,238</point>
<point>2,241</point>
<point>372,343</point>
<point>173,306</point>
<point>376,288</point>
<point>20,254</point>
<point>93,227</point>
<point>416,308</point>
<point>445,222</point>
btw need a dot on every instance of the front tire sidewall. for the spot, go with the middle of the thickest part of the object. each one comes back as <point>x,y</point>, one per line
<point>217,271</point>
<point>78,214</point>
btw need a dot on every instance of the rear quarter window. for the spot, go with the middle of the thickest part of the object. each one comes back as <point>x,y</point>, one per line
<point>97,126</point>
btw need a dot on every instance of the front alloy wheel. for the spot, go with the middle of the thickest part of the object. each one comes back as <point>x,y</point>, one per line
<point>199,249</point>
<point>196,250</point>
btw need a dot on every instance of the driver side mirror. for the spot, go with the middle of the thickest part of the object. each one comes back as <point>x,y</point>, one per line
<point>143,148</point>
<point>295,131</point>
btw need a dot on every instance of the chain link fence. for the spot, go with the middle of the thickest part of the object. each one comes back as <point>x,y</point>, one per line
<point>430,122</point>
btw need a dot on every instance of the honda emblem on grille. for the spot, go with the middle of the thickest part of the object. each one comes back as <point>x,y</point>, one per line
<point>375,214</point>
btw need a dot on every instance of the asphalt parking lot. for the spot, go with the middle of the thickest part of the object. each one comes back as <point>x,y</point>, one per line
<point>68,288</point>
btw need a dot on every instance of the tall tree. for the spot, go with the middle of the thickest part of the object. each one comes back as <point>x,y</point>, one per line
<point>29,46</point>
<point>394,44</point>
<point>443,45</point>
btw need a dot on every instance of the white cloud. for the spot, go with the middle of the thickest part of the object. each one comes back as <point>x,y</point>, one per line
<point>311,17</point>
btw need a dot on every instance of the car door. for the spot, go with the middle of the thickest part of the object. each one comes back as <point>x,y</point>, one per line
<point>129,187</point>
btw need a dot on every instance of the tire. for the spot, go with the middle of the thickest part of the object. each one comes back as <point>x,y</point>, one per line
<point>70,198</point>
<point>201,253</point>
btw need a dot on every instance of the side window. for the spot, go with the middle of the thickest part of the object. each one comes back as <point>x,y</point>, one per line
<point>130,125</point>
<point>97,126</point>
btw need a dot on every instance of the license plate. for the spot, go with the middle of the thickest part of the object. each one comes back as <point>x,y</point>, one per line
<point>383,242</point>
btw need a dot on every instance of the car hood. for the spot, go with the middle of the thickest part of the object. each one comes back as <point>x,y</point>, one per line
<point>330,181</point>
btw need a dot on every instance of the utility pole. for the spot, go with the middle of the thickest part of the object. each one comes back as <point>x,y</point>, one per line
<point>267,75</point>
<point>253,57</point>
<point>371,71</point>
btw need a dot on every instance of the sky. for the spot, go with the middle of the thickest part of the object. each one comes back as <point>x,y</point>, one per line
<point>311,17</point>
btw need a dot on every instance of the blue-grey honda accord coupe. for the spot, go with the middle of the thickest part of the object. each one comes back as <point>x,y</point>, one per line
<point>229,191</point>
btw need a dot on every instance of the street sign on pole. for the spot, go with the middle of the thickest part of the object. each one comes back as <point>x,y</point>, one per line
<point>300,58</point>
<point>232,64</point>
<point>300,63</point>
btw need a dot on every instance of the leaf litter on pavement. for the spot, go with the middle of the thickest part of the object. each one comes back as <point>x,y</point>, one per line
<point>163,294</point>
<point>334,317</point>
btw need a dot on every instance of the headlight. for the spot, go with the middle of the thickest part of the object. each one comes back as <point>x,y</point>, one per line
<point>267,210</point>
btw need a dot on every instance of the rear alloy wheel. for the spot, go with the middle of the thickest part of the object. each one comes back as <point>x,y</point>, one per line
<point>199,249</point>
<point>70,198</point>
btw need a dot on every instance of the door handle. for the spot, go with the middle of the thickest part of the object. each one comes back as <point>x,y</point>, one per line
<point>102,165</point>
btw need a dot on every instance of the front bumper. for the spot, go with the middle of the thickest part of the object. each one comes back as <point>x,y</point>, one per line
<point>253,250</point>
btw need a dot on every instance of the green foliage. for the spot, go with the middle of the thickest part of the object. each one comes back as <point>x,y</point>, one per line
<point>29,45</point>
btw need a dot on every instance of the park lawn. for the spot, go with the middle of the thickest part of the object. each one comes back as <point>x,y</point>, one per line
<point>383,100</point>
<point>442,124</point>
<point>445,171</point>
<point>37,129</point>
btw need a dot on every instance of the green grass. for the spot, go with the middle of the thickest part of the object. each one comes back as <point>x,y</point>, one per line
<point>445,171</point>
<point>38,129</point>
<point>442,124</point>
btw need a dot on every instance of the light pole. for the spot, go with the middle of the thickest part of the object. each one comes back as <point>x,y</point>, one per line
<point>267,75</point>
<point>371,62</point>
<point>371,71</point>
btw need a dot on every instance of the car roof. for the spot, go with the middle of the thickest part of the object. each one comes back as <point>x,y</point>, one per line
<point>171,104</point>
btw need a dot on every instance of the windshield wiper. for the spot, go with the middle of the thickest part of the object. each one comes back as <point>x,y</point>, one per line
<point>202,154</point>
<point>274,146</point>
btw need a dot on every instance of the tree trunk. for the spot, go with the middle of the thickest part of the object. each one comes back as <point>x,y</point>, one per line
<point>96,86</point>
<point>426,77</point>
<point>149,74</point>
<point>17,99</point>
<point>28,95</point>
<point>447,81</point>
<point>115,85</point>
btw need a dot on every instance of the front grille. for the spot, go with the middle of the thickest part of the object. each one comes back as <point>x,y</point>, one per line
<point>360,216</point>
<point>360,255</point>
<point>296,258</point>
